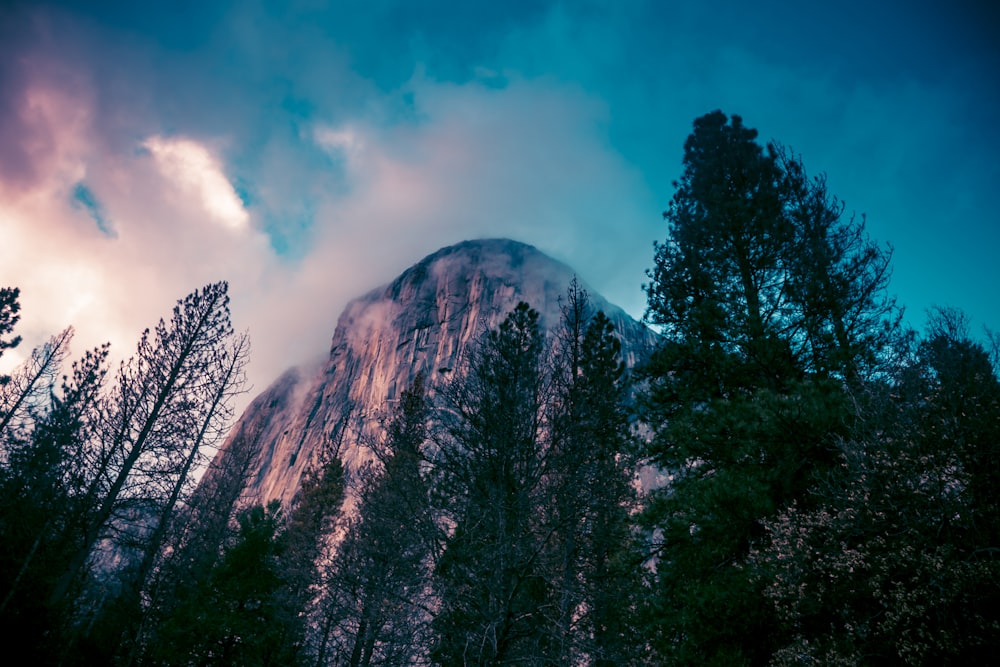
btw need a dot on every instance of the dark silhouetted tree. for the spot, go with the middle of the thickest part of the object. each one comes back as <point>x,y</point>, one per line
<point>590,464</point>
<point>234,615</point>
<point>41,492</point>
<point>10,307</point>
<point>494,594</point>
<point>375,609</point>
<point>773,312</point>
<point>897,562</point>
<point>310,523</point>
<point>159,403</point>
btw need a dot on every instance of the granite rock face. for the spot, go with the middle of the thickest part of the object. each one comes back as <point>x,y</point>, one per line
<point>421,322</point>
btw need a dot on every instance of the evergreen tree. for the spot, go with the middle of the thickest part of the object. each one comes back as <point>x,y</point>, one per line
<point>234,615</point>
<point>41,509</point>
<point>152,427</point>
<point>9,316</point>
<point>494,596</point>
<point>749,390</point>
<point>221,386</point>
<point>375,606</point>
<point>310,523</point>
<point>589,468</point>
<point>204,528</point>
<point>897,562</point>
<point>24,395</point>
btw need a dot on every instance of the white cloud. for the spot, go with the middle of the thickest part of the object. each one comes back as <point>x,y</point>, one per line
<point>197,172</point>
<point>529,161</point>
<point>343,142</point>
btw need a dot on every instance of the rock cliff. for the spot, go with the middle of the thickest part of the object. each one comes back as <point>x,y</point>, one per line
<point>422,321</point>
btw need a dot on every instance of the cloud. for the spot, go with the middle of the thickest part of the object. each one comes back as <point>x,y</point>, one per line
<point>195,172</point>
<point>308,154</point>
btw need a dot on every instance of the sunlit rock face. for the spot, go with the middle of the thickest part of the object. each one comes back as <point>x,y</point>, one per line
<point>421,322</point>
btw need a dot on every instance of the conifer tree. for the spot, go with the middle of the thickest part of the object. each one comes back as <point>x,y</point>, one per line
<point>41,491</point>
<point>153,415</point>
<point>589,468</point>
<point>310,522</point>
<point>233,615</point>
<point>9,316</point>
<point>375,605</point>
<point>493,590</point>
<point>770,305</point>
<point>897,562</point>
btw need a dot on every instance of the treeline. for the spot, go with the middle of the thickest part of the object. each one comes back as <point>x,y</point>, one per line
<point>834,491</point>
<point>491,526</point>
<point>831,494</point>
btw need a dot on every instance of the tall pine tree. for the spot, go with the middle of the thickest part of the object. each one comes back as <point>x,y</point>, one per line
<point>770,304</point>
<point>494,594</point>
<point>589,468</point>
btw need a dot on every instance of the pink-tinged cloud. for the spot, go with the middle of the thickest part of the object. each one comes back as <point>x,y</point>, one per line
<point>528,161</point>
<point>197,174</point>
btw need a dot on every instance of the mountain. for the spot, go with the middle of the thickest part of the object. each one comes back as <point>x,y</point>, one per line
<point>422,321</point>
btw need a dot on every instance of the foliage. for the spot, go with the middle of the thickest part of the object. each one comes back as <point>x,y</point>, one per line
<point>234,615</point>
<point>773,311</point>
<point>41,499</point>
<point>10,308</point>
<point>833,493</point>
<point>492,588</point>
<point>590,463</point>
<point>898,563</point>
<point>375,608</point>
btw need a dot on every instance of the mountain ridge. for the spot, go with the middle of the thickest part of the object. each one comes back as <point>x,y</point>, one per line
<point>420,322</point>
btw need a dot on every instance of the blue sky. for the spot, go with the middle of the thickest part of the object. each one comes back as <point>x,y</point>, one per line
<point>308,151</point>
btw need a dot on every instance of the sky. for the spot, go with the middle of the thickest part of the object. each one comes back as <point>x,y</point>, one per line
<point>310,151</point>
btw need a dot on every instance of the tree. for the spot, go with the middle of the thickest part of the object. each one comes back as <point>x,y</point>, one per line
<point>589,468</point>
<point>375,606</point>
<point>897,563</point>
<point>233,616</point>
<point>212,421</point>
<point>9,316</point>
<point>160,400</point>
<point>26,393</point>
<point>41,509</point>
<point>773,311</point>
<point>494,595</point>
<point>205,531</point>
<point>310,523</point>
<point>842,320</point>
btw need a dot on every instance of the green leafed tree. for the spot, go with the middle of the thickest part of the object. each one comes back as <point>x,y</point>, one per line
<point>773,312</point>
<point>494,595</point>
<point>375,608</point>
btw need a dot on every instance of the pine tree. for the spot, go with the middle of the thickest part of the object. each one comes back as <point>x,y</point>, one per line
<point>233,615</point>
<point>375,606</point>
<point>310,522</point>
<point>771,307</point>
<point>41,492</point>
<point>896,562</point>
<point>152,427</point>
<point>589,468</point>
<point>494,595</point>
<point>9,316</point>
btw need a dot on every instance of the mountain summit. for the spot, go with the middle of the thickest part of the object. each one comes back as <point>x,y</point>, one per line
<point>423,321</point>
